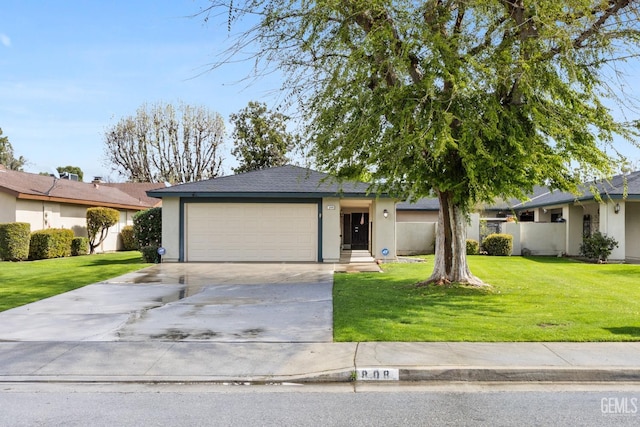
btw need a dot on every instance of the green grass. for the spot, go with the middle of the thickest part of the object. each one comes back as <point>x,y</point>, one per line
<point>29,281</point>
<point>532,299</point>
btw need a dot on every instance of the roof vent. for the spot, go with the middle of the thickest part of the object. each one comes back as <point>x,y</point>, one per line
<point>97,180</point>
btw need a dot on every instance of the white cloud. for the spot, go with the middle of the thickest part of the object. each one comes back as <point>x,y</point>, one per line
<point>5,40</point>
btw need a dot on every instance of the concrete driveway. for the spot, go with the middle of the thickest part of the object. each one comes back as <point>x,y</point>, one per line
<point>187,302</point>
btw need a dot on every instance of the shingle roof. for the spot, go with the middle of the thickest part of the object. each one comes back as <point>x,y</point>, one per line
<point>138,190</point>
<point>41,187</point>
<point>542,196</point>
<point>283,181</point>
<point>613,188</point>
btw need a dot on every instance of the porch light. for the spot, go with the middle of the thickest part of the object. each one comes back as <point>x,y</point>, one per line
<point>616,208</point>
<point>385,213</point>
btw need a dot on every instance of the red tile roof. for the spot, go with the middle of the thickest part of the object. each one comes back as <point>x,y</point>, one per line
<point>31,186</point>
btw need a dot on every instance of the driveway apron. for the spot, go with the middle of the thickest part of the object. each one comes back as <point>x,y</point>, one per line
<point>187,302</point>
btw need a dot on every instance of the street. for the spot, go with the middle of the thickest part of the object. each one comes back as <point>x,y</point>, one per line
<point>456,404</point>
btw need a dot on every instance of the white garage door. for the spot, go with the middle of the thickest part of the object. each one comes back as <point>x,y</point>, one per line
<point>251,232</point>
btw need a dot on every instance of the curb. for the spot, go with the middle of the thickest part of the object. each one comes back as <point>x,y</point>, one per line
<point>415,375</point>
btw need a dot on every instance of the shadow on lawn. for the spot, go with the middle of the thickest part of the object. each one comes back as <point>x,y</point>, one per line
<point>100,261</point>
<point>633,331</point>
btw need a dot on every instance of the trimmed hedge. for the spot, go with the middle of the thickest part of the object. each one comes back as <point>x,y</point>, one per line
<point>50,243</point>
<point>79,246</point>
<point>147,227</point>
<point>473,247</point>
<point>14,241</point>
<point>498,244</point>
<point>150,254</point>
<point>129,242</point>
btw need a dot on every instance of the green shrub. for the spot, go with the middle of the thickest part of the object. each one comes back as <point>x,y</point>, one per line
<point>14,241</point>
<point>79,246</point>
<point>473,247</point>
<point>98,222</point>
<point>598,247</point>
<point>150,254</point>
<point>498,244</point>
<point>147,227</point>
<point>128,239</point>
<point>50,243</point>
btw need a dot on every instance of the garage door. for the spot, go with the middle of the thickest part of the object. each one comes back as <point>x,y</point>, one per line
<point>251,232</point>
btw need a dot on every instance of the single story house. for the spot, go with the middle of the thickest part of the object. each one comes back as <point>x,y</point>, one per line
<point>549,223</point>
<point>279,214</point>
<point>50,202</point>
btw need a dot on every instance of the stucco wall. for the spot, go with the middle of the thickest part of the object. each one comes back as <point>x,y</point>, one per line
<point>171,228</point>
<point>384,229</point>
<point>7,208</point>
<point>417,216</point>
<point>330,229</point>
<point>632,237</point>
<point>539,238</point>
<point>413,238</point>
<point>43,215</point>
<point>613,225</point>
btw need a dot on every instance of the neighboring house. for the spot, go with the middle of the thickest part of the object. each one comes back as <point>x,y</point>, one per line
<point>48,202</point>
<point>550,223</point>
<point>279,214</point>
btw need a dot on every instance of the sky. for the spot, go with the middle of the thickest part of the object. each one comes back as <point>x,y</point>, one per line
<point>70,69</point>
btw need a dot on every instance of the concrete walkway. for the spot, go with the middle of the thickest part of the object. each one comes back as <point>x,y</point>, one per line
<point>316,362</point>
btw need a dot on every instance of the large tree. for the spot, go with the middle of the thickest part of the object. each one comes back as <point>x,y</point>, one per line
<point>6,155</point>
<point>166,143</point>
<point>261,139</point>
<point>466,100</point>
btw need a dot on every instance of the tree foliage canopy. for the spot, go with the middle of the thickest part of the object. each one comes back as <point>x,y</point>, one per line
<point>467,100</point>
<point>98,222</point>
<point>166,143</point>
<point>260,138</point>
<point>6,155</point>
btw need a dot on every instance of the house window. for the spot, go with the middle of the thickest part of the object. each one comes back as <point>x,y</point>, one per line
<point>526,216</point>
<point>586,226</point>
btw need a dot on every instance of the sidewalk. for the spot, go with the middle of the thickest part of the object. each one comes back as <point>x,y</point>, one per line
<point>178,362</point>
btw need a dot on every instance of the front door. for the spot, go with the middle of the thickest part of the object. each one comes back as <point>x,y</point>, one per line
<point>360,231</point>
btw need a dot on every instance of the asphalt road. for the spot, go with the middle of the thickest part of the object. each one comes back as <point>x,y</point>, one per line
<point>328,405</point>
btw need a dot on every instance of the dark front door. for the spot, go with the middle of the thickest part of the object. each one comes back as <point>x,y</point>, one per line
<point>359,231</point>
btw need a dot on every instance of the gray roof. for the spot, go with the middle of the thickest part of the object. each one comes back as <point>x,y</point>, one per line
<point>613,188</point>
<point>542,196</point>
<point>284,181</point>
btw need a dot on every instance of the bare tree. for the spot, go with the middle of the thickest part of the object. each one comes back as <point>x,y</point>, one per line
<point>165,143</point>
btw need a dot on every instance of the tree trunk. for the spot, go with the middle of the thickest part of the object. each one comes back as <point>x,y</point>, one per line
<point>450,264</point>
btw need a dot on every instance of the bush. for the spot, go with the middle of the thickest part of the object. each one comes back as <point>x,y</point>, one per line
<point>147,227</point>
<point>498,244</point>
<point>473,247</point>
<point>14,241</point>
<point>150,254</point>
<point>98,222</point>
<point>128,239</point>
<point>598,247</point>
<point>79,246</point>
<point>50,243</point>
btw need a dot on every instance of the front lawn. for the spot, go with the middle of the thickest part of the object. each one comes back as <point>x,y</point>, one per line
<point>28,281</point>
<point>533,299</point>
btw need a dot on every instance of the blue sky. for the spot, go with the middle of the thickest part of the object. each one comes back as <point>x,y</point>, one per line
<point>69,69</point>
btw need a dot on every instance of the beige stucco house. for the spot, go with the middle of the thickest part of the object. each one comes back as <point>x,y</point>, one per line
<point>50,202</point>
<point>279,214</point>
<point>549,223</point>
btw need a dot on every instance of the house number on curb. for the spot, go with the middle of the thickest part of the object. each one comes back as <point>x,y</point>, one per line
<point>378,374</point>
